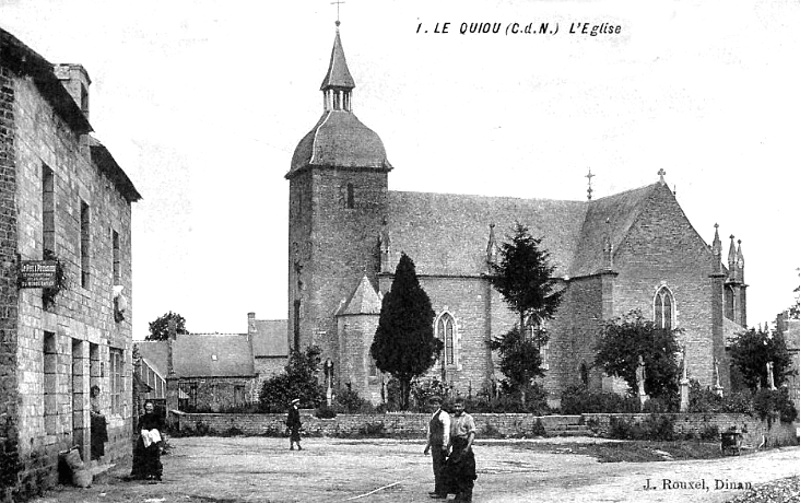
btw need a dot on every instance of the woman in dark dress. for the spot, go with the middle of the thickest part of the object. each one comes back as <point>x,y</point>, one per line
<point>147,453</point>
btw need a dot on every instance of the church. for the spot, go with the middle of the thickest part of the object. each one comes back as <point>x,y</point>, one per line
<point>632,250</point>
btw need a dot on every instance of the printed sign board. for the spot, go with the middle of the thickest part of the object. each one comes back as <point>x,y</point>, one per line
<point>38,274</point>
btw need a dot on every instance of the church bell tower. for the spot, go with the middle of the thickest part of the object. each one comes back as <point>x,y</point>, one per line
<point>337,202</point>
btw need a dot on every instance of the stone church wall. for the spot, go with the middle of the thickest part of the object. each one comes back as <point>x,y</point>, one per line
<point>61,352</point>
<point>356,337</point>
<point>340,249</point>
<point>574,334</point>
<point>662,250</point>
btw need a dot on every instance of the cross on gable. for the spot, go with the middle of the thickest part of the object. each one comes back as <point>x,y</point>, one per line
<point>661,174</point>
<point>589,176</point>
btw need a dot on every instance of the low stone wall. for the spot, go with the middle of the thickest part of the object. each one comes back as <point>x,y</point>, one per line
<point>413,425</point>
<point>753,429</point>
<point>406,425</point>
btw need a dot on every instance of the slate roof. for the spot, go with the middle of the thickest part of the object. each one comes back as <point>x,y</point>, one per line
<point>363,300</point>
<point>106,163</point>
<point>447,234</point>
<point>24,60</point>
<point>338,74</point>
<point>155,354</point>
<point>339,139</point>
<point>270,339</point>
<point>621,210</point>
<point>194,355</point>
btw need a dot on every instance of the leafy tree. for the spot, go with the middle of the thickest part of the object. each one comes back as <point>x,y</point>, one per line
<point>520,359</point>
<point>160,327</point>
<point>753,349</point>
<point>624,339</point>
<point>523,276</point>
<point>299,380</point>
<point>404,344</point>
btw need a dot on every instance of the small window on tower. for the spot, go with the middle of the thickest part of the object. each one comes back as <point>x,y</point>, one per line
<point>350,197</point>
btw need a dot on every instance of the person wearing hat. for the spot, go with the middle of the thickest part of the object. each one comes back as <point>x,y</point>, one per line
<point>293,425</point>
<point>439,427</point>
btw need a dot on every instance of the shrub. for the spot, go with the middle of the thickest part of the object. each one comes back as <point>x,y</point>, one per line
<point>325,412</point>
<point>768,403</point>
<point>538,429</point>
<point>202,429</point>
<point>490,431</point>
<point>233,431</point>
<point>299,380</point>
<point>579,400</point>
<point>654,427</point>
<point>509,401</point>
<point>424,389</point>
<point>373,429</point>
<point>710,432</point>
<point>349,402</point>
<point>662,405</point>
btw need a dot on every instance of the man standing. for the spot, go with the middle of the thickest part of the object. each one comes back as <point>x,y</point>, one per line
<point>439,428</point>
<point>460,468</point>
<point>293,424</point>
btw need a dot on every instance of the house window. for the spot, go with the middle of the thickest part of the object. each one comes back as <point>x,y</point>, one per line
<point>663,309</point>
<point>115,258</point>
<point>50,361</point>
<point>350,201</point>
<point>84,245</point>
<point>445,332</point>
<point>48,211</point>
<point>116,382</point>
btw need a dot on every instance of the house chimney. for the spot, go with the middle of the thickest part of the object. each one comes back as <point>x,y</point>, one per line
<point>76,81</point>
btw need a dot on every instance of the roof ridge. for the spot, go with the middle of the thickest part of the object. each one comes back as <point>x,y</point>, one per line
<point>454,194</point>
<point>648,186</point>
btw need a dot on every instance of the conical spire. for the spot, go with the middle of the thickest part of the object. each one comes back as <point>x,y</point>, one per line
<point>492,245</point>
<point>338,82</point>
<point>740,262</point>
<point>717,249</point>
<point>732,254</point>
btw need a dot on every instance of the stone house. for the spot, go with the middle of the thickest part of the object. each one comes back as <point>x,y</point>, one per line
<point>632,250</point>
<point>66,212</point>
<point>216,371</point>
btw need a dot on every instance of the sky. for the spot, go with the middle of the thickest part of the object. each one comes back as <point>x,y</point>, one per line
<point>203,102</point>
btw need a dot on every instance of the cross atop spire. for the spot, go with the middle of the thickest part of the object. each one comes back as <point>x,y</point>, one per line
<point>661,174</point>
<point>589,176</point>
<point>338,3</point>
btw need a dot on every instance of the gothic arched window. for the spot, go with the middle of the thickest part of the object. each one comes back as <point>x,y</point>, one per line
<point>445,332</point>
<point>663,309</point>
<point>535,332</point>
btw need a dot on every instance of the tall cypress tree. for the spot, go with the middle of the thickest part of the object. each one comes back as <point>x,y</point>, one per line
<point>404,344</point>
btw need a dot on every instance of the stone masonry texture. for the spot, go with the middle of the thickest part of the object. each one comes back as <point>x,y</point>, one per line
<point>52,356</point>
